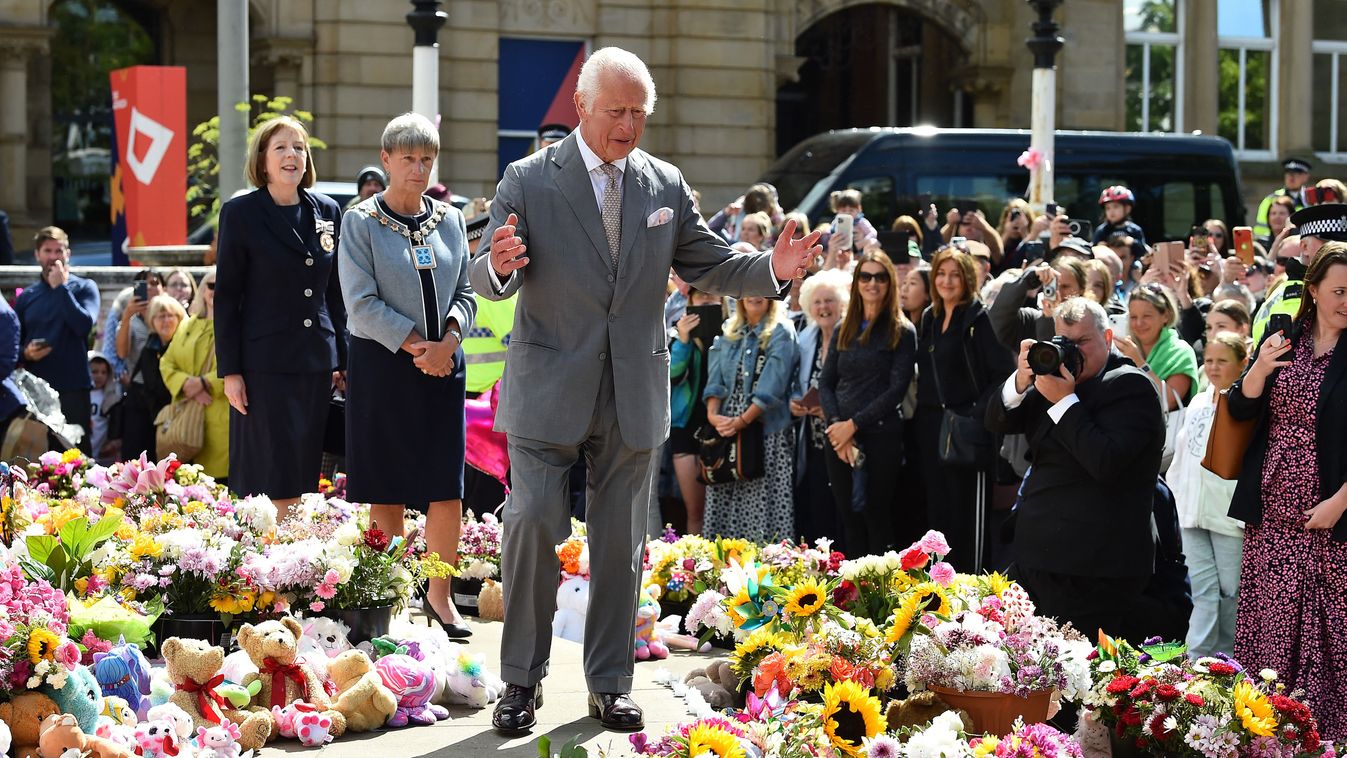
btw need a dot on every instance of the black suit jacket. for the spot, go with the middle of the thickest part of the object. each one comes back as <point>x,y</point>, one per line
<point>1085,507</point>
<point>278,304</point>
<point>1330,438</point>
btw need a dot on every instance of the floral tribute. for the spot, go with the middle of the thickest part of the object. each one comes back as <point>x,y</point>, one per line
<point>34,648</point>
<point>479,547</point>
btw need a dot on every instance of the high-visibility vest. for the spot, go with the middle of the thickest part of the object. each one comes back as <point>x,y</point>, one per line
<point>1260,226</point>
<point>484,345</point>
<point>1284,299</point>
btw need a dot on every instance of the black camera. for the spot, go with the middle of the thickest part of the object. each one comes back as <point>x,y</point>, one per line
<point>1047,357</point>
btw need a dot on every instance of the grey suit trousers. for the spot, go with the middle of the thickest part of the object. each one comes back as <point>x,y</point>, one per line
<point>537,518</point>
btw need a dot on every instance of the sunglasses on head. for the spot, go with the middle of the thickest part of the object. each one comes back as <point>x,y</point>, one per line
<point>865,277</point>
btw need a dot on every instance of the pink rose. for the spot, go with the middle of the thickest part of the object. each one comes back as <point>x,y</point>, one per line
<point>934,542</point>
<point>68,655</point>
<point>317,606</point>
<point>943,574</point>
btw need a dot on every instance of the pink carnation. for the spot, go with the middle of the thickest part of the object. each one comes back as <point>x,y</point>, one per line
<point>317,606</point>
<point>934,542</point>
<point>943,574</point>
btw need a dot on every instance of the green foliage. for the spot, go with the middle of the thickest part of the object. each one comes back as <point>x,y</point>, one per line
<point>1255,85</point>
<point>1156,16</point>
<point>62,558</point>
<point>203,155</point>
<point>93,38</point>
<point>571,749</point>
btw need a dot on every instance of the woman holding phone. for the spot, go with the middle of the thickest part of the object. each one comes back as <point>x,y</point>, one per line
<point>688,364</point>
<point>1291,495</point>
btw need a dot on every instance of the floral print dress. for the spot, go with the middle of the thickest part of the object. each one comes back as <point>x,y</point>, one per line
<point>1293,582</point>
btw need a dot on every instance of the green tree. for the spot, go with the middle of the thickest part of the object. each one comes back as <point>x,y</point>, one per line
<point>203,155</point>
<point>1255,86</point>
<point>1155,16</point>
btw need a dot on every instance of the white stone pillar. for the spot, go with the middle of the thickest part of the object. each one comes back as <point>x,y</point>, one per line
<point>14,130</point>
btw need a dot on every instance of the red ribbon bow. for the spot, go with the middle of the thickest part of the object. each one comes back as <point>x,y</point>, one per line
<point>279,673</point>
<point>208,701</point>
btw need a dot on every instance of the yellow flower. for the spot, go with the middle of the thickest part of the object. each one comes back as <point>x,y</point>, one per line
<point>194,506</point>
<point>738,550</point>
<point>71,455</point>
<point>806,598</point>
<point>932,598</point>
<point>900,582</point>
<point>1251,706</point>
<point>884,680</point>
<point>986,746</point>
<point>712,739</point>
<point>126,532</point>
<point>747,653</point>
<point>82,585</point>
<point>996,583</point>
<point>42,644</point>
<point>234,604</point>
<point>850,715</point>
<point>904,616</point>
<point>145,546</point>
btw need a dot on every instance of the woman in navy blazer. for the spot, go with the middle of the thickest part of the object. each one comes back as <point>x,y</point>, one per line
<point>280,323</point>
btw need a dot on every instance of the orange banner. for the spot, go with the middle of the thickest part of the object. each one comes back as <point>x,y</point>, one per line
<point>149,179</point>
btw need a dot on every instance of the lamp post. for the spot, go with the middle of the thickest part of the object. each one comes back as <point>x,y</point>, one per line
<point>1044,45</point>
<point>425,20</point>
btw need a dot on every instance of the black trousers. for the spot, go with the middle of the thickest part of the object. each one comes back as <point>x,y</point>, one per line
<point>872,530</point>
<point>1090,603</point>
<point>815,512</point>
<point>75,405</point>
<point>956,498</point>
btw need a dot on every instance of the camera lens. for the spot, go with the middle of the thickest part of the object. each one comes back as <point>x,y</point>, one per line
<point>1045,358</point>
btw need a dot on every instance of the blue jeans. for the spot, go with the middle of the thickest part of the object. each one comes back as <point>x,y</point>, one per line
<point>1213,568</point>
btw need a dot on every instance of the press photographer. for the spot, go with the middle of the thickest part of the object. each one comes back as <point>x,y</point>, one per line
<point>1083,542</point>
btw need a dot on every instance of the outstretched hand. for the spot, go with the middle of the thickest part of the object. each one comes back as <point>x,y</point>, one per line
<point>507,250</point>
<point>791,257</point>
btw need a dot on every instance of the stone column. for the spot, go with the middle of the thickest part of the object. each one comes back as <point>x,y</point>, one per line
<point>14,129</point>
<point>285,57</point>
<point>1295,79</point>
<point>1201,67</point>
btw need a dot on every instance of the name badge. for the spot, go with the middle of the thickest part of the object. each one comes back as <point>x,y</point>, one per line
<point>423,257</point>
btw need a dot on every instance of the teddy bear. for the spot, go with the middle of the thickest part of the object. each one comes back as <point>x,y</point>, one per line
<point>413,683</point>
<point>920,709</point>
<point>491,601</point>
<point>122,734</point>
<point>23,717</point>
<point>273,647</point>
<point>362,697</point>
<point>157,738</point>
<point>80,696</point>
<point>218,741</point>
<point>60,737</point>
<point>572,603</point>
<point>183,723</point>
<point>124,672</point>
<point>330,635</point>
<point>716,683</point>
<point>648,644</point>
<point>193,668</point>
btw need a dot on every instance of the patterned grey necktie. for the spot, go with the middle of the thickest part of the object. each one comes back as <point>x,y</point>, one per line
<point>612,211</point>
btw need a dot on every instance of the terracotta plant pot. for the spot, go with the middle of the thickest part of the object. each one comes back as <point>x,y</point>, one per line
<point>994,712</point>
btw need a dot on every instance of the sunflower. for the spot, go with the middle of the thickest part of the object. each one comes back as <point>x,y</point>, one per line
<point>760,643</point>
<point>42,645</point>
<point>850,714</point>
<point>932,598</point>
<point>713,739</point>
<point>904,616</point>
<point>1251,706</point>
<point>806,598</point>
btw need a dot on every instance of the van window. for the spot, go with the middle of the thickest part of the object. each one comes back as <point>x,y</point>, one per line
<point>879,203</point>
<point>991,193</point>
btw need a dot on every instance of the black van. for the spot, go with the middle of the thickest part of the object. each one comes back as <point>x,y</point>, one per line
<point>1178,179</point>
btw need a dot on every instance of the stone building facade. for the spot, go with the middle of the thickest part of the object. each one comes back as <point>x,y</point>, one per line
<point>736,78</point>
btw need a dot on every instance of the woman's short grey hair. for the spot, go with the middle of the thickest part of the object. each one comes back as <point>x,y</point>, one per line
<point>410,133</point>
<point>833,279</point>
<point>1073,311</point>
<point>1237,292</point>
<point>618,61</point>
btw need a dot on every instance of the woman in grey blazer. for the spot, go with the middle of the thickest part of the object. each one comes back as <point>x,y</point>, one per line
<point>403,267</point>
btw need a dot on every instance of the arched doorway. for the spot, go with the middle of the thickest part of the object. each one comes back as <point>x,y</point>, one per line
<point>872,64</point>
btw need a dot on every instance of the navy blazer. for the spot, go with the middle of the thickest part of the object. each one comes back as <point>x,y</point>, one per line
<point>278,304</point>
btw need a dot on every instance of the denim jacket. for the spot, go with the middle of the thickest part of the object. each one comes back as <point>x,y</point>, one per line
<point>773,388</point>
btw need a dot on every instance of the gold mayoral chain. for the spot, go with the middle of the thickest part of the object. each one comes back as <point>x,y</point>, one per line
<point>415,237</point>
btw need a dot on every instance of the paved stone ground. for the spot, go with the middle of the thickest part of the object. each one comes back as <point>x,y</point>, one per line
<point>563,715</point>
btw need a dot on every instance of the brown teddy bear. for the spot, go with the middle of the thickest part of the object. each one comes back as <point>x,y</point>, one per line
<point>60,732</point>
<point>717,684</point>
<point>24,716</point>
<point>919,710</point>
<point>192,665</point>
<point>491,601</point>
<point>273,647</point>
<point>362,697</point>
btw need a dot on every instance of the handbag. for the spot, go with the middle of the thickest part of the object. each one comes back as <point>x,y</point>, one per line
<point>1228,440</point>
<point>334,433</point>
<point>1173,423</point>
<point>733,459</point>
<point>180,427</point>
<point>964,440</point>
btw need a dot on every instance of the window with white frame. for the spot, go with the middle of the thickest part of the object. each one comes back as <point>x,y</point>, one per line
<point>1153,76</point>
<point>1247,32</point>
<point>1328,108</point>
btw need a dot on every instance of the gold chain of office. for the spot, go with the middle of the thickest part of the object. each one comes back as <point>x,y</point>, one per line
<point>416,236</point>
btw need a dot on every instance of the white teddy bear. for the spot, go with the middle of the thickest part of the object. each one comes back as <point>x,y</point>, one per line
<point>572,603</point>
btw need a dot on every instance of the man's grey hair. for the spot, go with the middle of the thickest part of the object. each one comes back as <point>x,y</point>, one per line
<point>1075,310</point>
<point>618,61</point>
<point>1237,292</point>
<point>409,133</point>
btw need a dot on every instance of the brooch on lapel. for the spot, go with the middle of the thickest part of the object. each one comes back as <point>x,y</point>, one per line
<point>326,229</point>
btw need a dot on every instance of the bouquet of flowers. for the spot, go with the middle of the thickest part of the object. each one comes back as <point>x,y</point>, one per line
<point>750,602</point>
<point>479,547</point>
<point>33,621</point>
<point>682,567</point>
<point>364,568</point>
<point>944,737</point>
<point>792,563</point>
<point>334,487</point>
<point>59,475</point>
<point>1158,699</point>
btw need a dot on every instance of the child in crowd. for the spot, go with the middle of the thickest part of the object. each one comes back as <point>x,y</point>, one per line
<point>1118,202</point>
<point>105,438</point>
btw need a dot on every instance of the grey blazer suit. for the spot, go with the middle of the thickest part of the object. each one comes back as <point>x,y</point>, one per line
<point>576,317</point>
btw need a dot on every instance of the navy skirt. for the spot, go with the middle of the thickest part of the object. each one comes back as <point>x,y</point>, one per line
<point>277,449</point>
<point>405,431</point>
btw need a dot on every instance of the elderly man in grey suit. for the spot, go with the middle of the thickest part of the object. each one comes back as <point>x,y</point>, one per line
<point>586,230</point>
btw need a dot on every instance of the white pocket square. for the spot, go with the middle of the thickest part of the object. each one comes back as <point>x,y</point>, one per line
<point>659,217</point>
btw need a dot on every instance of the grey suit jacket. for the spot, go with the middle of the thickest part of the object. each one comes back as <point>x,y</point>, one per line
<point>575,318</point>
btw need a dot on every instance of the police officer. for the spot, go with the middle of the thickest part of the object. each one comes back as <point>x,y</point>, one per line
<point>1296,174</point>
<point>1316,224</point>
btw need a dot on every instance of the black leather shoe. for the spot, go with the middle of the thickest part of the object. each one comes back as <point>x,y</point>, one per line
<point>617,712</point>
<point>514,713</point>
<point>455,630</point>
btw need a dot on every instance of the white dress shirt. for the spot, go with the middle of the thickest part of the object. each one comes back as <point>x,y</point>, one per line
<point>1012,399</point>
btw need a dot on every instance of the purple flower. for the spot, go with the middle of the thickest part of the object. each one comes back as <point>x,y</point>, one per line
<point>639,741</point>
